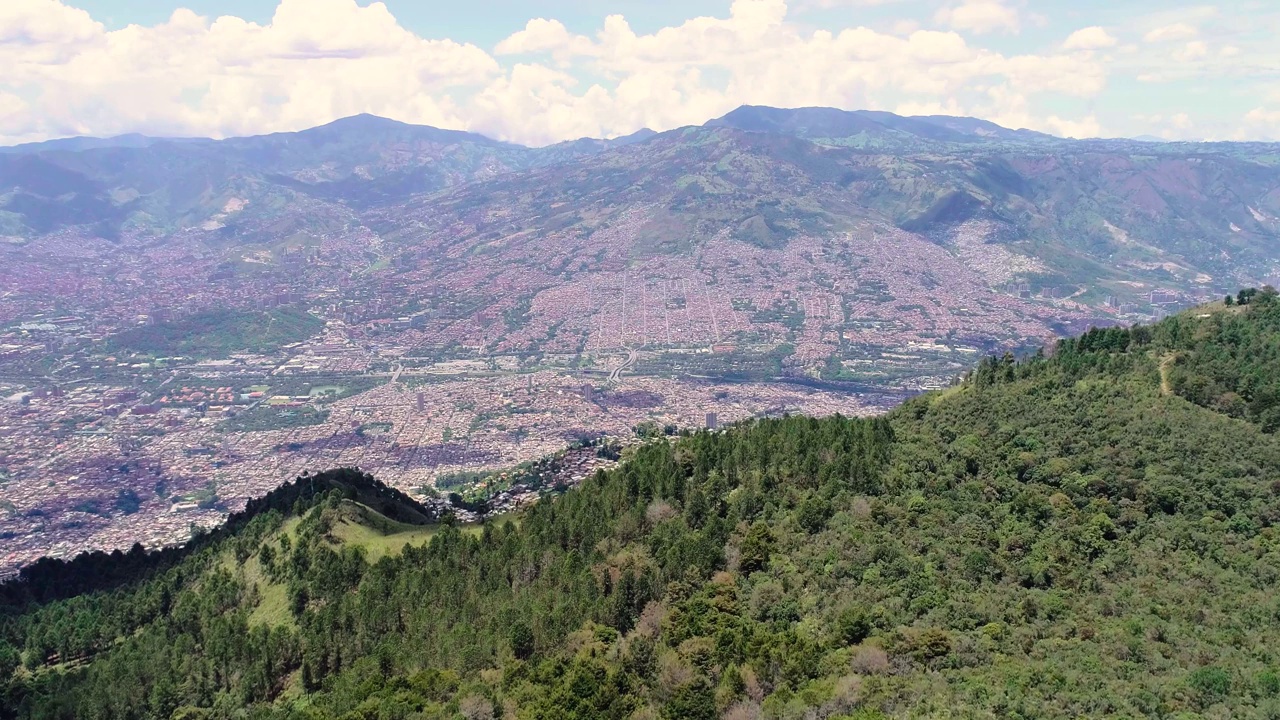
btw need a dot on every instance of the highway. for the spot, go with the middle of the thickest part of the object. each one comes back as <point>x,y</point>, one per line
<point>632,356</point>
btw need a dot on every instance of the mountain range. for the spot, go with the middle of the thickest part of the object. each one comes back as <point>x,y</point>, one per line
<point>1097,210</point>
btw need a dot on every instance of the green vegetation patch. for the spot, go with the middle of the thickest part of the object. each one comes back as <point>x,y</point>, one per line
<point>217,334</point>
<point>266,417</point>
<point>737,365</point>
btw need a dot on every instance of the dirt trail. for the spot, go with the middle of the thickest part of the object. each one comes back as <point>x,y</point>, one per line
<point>1165,362</point>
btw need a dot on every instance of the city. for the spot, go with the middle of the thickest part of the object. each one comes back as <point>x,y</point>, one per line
<point>411,378</point>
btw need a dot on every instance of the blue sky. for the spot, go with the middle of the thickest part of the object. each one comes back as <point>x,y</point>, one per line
<point>558,69</point>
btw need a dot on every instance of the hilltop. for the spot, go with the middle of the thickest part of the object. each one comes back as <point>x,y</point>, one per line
<point>1088,532</point>
<point>50,579</point>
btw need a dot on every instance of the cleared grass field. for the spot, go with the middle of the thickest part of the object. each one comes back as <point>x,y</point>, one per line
<point>273,601</point>
<point>380,537</point>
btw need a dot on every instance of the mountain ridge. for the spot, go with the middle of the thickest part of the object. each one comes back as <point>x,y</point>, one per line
<point>818,123</point>
<point>367,121</point>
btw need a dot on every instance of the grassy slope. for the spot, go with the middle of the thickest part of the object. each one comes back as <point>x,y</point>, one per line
<point>358,526</point>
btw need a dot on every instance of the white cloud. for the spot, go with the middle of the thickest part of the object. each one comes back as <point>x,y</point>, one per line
<point>980,16</point>
<point>664,79</point>
<point>540,35</point>
<point>1262,116</point>
<point>1172,33</point>
<point>1259,124</point>
<point>317,60</point>
<point>31,22</point>
<point>1193,51</point>
<point>1087,127</point>
<point>1178,126</point>
<point>829,4</point>
<point>950,107</point>
<point>905,27</point>
<point>14,115</point>
<point>1090,38</point>
<point>1010,108</point>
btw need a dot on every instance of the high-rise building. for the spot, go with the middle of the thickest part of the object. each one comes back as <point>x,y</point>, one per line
<point>589,392</point>
<point>422,402</point>
<point>713,423</point>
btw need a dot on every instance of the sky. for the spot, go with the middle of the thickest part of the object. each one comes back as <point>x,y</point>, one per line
<point>541,72</point>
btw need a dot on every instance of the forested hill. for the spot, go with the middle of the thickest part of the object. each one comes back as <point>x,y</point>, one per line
<point>1090,534</point>
<point>51,579</point>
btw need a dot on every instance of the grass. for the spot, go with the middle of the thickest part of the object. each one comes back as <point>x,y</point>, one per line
<point>273,604</point>
<point>381,537</point>
<point>943,395</point>
<point>359,525</point>
<point>378,545</point>
<point>1165,387</point>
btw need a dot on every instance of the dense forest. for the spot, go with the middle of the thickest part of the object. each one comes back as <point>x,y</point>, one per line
<point>1088,532</point>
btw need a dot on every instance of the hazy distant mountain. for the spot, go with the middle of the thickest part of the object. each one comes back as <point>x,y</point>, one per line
<point>1082,210</point>
<point>163,184</point>
<point>77,144</point>
<point>983,129</point>
<point>597,145</point>
<point>870,127</point>
<point>808,123</point>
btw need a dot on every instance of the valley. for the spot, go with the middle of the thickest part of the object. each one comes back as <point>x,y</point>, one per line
<point>184,323</point>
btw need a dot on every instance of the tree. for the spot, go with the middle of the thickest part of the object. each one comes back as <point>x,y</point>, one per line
<point>692,701</point>
<point>521,639</point>
<point>756,548</point>
<point>813,513</point>
<point>9,661</point>
<point>1211,683</point>
<point>853,625</point>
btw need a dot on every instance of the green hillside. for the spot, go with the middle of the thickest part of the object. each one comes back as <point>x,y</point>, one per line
<point>1087,534</point>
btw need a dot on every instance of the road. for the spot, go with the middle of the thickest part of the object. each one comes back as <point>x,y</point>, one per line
<point>632,356</point>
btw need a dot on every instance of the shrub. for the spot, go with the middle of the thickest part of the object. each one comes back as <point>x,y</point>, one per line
<point>1210,683</point>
